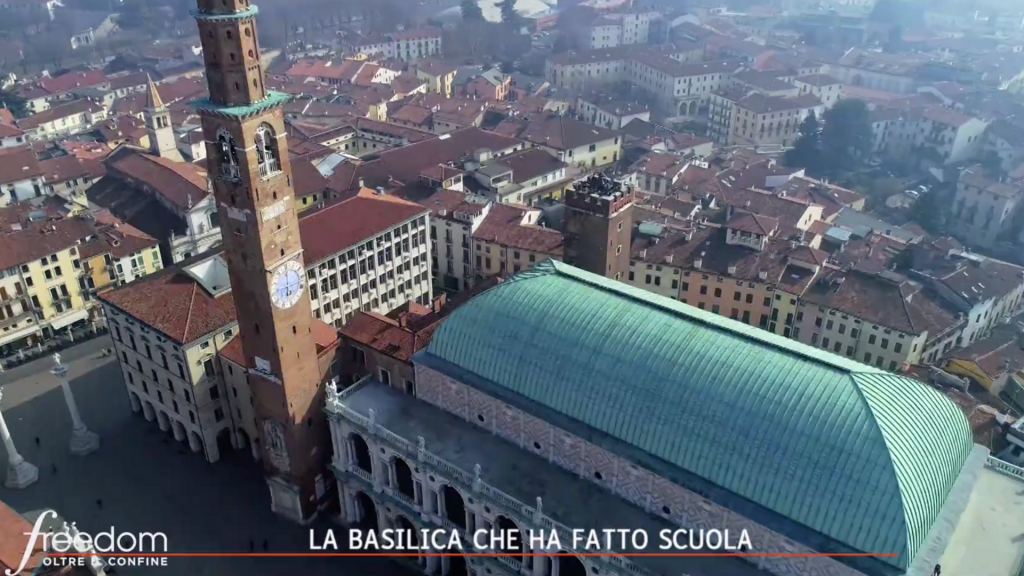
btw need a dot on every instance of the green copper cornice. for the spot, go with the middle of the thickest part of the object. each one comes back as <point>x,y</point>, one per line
<point>247,13</point>
<point>205,106</point>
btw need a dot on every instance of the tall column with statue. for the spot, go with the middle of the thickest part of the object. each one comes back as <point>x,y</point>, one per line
<point>20,473</point>
<point>83,441</point>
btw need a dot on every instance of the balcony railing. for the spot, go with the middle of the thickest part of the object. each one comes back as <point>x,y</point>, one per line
<point>516,510</point>
<point>270,167</point>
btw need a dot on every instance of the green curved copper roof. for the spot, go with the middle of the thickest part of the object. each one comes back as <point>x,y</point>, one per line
<point>861,455</point>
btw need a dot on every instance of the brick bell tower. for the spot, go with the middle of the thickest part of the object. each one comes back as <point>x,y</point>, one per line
<point>247,159</point>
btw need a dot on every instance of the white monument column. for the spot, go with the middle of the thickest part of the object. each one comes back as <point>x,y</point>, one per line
<point>82,440</point>
<point>20,473</point>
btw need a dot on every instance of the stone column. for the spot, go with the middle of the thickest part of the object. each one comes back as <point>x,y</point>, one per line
<point>540,563</point>
<point>82,440</point>
<point>446,565</point>
<point>20,474</point>
<point>432,562</point>
<point>194,442</point>
<point>179,431</point>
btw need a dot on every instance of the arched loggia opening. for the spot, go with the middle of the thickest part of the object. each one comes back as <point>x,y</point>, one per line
<point>512,548</point>
<point>457,566</point>
<point>454,507</point>
<point>403,479</point>
<point>267,156</point>
<point>571,566</point>
<point>362,453</point>
<point>227,155</point>
<point>368,518</point>
<point>404,523</point>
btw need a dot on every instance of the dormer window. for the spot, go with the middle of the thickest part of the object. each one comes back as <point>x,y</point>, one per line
<point>267,156</point>
<point>227,155</point>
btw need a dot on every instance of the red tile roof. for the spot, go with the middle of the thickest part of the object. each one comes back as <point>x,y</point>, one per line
<point>175,304</point>
<point>20,165</point>
<point>15,534</point>
<point>503,225</point>
<point>72,80</point>
<point>38,238</point>
<point>401,166</point>
<point>10,131</point>
<point>58,112</point>
<point>563,133</point>
<point>233,351</point>
<point>62,168</point>
<point>753,223</point>
<point>175,181</point>
<point>350,221</point>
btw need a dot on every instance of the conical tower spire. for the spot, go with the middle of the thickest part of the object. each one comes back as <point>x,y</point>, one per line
<point>152,96</point>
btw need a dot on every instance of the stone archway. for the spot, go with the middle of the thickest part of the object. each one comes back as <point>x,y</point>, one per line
<point>179,430</point>
<point>243,438</point>
<point>571,566</point>
<point>454,506</point>
<point>195,442</point>
<point>367,512</point>
<point>134,399</point>
<point>403,479</point>
<point>403,523</point>
<point>457,566</point>
<point>147,411</point>
<point>163,420</point>
<point>692,108</point>
<point>361,451</point>
<point>508,526</point>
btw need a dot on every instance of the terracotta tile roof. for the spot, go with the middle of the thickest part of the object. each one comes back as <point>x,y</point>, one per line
<point>10,131</point>
<point>324,335</point>
<point>562,133</point>
<point>406,82</point>
<point>786,210</point>
<point>503,225</point>
<point>401,166</point>
<point>306,179</point>
<point>175,181</point>
<point>127,80</point>
<point>761,104</point>
<point>753,223</point>
<point>530,163</point>
<point>435,67</point>
<point>39,238</point>
<point>62,168</point>
<point>348,222</point>
<point>660,163</point>
<point>20,165</point>
<point>682,248</point>
<point>412,115</point>
<point>15,533</point>
<point>57,112</point>
<point>1002,351</point>
<point>175,304</point>
<point>72,80</point>
<point>871,297</point>
<point>233,351</point>
<point>6,117</point>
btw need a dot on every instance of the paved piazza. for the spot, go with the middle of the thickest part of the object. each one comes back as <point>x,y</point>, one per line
<point>147,481</point>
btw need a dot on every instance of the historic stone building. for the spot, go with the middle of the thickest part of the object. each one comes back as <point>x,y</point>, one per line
<point>248,162</point>
<point>561,400</point>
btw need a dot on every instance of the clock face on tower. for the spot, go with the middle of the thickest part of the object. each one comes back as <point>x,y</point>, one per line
<point>286,284</point>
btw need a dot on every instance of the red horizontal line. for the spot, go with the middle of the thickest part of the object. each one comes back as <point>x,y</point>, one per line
<point>472,554</point>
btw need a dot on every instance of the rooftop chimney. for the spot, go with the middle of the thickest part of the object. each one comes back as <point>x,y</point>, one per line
<point>732,270</point>
<point>763,274</point>
<point>362,183</point>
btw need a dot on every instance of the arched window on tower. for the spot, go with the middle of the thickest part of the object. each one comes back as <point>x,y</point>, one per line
<point>227,155</point>
<point>266,151</point>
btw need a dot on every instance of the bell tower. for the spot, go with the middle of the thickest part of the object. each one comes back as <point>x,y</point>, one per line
<point>247,159</point>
